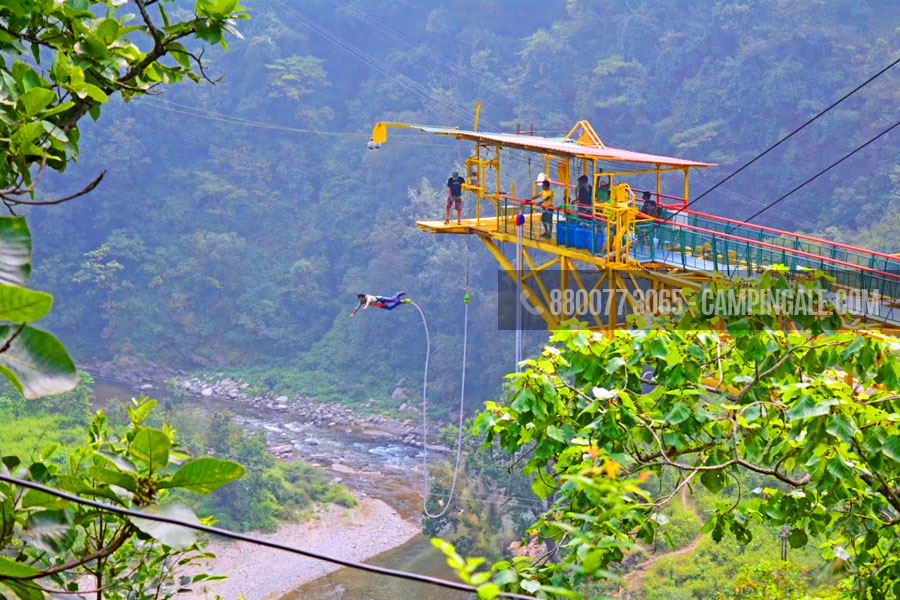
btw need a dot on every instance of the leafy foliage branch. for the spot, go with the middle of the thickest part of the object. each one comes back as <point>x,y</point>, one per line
<point>48,545</point>
<point>810,410</point>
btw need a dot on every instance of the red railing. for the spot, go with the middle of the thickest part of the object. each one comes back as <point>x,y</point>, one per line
<point>737,238</point>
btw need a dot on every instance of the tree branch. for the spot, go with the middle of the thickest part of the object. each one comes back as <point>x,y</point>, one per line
<point>663,501</point>
<point>199,61</point>
<point>116,543</point>
<point>9,342</point>
<point>157,42</point>
<point>86,190</point>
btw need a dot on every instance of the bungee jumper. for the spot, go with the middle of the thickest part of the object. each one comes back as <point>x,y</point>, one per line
<point>385,302</point>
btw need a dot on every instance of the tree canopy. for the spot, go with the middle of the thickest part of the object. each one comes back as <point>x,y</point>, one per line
<point>805,410</point>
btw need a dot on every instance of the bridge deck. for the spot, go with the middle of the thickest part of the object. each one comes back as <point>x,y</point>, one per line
<point>691,249</point>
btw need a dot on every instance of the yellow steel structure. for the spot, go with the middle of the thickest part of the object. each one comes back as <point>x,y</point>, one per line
<point>680,255</point>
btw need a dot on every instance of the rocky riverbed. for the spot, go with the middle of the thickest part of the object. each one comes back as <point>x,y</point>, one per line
<point>306,409</point>
<point>150,378</point>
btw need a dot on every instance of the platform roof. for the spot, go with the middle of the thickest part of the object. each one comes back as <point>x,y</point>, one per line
<point>536,143</point>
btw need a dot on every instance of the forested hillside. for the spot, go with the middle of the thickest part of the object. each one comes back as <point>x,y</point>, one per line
<point>227,234</point>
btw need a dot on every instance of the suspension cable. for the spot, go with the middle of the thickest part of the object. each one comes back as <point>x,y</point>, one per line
<point>243,537</point>
<point>786,138</point>
<point>820,173</point>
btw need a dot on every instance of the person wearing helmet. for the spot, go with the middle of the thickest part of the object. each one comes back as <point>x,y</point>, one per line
<point>454,195</point>
<point>385,302</point>
<point>603,185</point>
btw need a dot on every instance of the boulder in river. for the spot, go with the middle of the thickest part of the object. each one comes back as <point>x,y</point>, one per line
<point>281,450</point>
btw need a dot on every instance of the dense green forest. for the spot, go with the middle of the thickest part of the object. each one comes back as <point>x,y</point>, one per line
<point>238,219</point>
<point>223,237</point>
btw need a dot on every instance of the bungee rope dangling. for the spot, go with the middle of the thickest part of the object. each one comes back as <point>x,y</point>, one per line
<point>462,403</point>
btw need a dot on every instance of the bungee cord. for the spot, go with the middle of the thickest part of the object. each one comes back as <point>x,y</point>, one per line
<point>462,404</point>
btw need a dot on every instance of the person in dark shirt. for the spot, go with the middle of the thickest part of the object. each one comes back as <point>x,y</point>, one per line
<point>649,231</point>
<point>583,195</point>
<point>454,195</point>
<point>649,206</point>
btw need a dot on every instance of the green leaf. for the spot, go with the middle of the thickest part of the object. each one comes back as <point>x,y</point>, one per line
<point>36,363</point>
<point>541,486</point>
<point>16,7</point>
<point>891,448</point>
<point>50,531</point>
<point>37,498</point>
<point>152,447</point>
<point>120,462</point>
<point>108,30</point>
<point>714,481</point>
<point>95,93</point>
<point>678,414</point>
<point>11,568</point>
<point>842,428</point>
<point>554,432</point>
<point>806,407</point>
<point>852,348</point>
<point>837,467</point>
<point>658,348</point>
<point>592,561</point>
<point>49,451</point>
<point>93,47</point>
<point>140,413</point>
<point>35,100</point>
<point>121,479</point>
<point>58,109</point>
<point>614,364</point>
<point>488,591</point>
<point>72,484</point>
<point>23,591</point>
<point>179,538</point>
<point>797,538</point>
<point>179,53</point>
<point>15,251</point>
<point>21,305</point>
<point>204,475</point>
<point>505,576</point>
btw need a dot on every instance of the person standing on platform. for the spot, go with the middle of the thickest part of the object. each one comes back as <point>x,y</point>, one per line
<point>454,195</point>
<point>546,204</point>
<point>583,195</point>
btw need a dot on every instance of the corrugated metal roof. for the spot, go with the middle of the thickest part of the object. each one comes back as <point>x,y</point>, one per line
<point>558,146</point>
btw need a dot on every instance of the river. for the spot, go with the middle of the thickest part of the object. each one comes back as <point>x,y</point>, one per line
<point>388,471</point>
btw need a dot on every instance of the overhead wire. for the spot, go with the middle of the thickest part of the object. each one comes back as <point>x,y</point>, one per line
<point>408,83</point>
<point>365,17</point>
<point>820,173</point>
<point>457,69</point>
<point>787,137</point>
<point>229,119</point>
<point>251,539</point>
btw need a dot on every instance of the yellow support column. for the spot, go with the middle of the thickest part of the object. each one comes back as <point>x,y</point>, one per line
<point>540,309</point>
